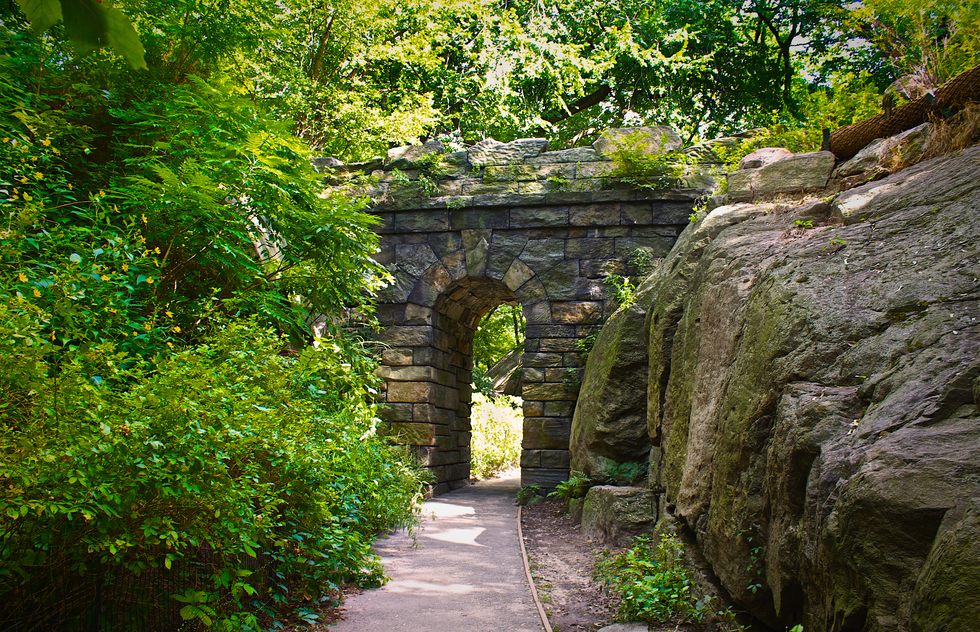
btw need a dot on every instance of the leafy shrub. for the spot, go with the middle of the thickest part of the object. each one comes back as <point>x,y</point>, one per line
<point>651,581</point>
<point>624,290</point>
<point>643,169</point>
<point>228,445</point>
<point>497,430</point>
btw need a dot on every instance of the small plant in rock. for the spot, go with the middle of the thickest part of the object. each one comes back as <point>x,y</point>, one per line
<point>427,186</point>
<point>641,260</point>
<point>651,581</point>
<point>800,223</point>
<point>585,344</point>
<point>577,486</point>
<point>529,495</point>
<point>455,203</point>
<point>625,290</point>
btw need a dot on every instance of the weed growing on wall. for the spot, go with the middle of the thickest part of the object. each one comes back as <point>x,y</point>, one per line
<point>497,428</point>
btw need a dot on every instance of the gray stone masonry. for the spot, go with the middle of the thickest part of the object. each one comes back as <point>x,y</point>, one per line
<point>505,223</point>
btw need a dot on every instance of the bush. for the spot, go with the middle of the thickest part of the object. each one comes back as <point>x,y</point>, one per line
<point>497,429</point>
<point>268,461</point>
<point>651,581</point>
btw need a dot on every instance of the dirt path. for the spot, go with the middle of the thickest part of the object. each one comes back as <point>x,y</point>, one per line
<point>562,561</point>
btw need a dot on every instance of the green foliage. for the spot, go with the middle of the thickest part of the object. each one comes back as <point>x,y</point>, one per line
<point>500,332</point>
<point>497,428</point>
<point>626,473</point>
<point>800,223</point>
<point>922,38</point>
<point>89,25</point>
<point>577,486</point>
<point>229,444</point>
<point>641,261</point>
<point>528,495</point>
<point>624,289</point>
<point>636,164</point>
<point>652,582</point>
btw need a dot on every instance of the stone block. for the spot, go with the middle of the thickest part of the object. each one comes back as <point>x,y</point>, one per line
<point>550,331</point>
<point>396,357</point>
<point>577,312</point>
<point>533,409</point>
<point>545,478</point>
<point>430,355</point>
<point>542,255</point>
<point>427,413</point>
<point>527,172</point>
<point>549,391</point>
<point>414,259</point>
<point>533,375</point>
<point>495,188</point>
<point>538,216</point>
<point>637,212</point>
<point>594,170</point>
<point>608,214</point>
<point>474,218</point>
<point>396,412</point>
<point>554,459</point>
<point>602,268</point>
<point>542,360</point>
<point>537,313</point>
<point>558,409</point>
<point>408,373</point>
<point>517,275</point>
<point>413,392</point>
<point>492,152</point>
<point>615,515</point>
<point>412,433</point>
<point>576,154</point>
<point>544,433</point>
<point>558,344</point>
<point>588,248</point>
<point>531,292</point>
<point>530,458</point>
<point>498,264</point>
<point>445,243</point>
<point>418,315</point>
<point>421,221</point>
<point>476,245</point>
<point>455,264</point>
<point>407,336</point>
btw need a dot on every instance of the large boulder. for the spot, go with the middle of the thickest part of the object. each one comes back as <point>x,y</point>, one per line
<point>615,515</point>
<point>813,395</point>
<point>885,155</point>
<point>796,173</point>
<point>610,423</point>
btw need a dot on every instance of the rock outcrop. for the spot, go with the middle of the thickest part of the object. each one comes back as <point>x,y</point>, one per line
<point>812,384</point>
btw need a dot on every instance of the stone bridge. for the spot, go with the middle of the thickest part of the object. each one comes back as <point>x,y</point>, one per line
<point>499,224</point>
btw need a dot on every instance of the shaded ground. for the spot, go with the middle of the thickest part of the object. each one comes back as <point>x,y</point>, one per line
<point>562,560</point>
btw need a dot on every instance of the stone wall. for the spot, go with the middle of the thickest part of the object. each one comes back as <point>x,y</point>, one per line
<point>501,223</point>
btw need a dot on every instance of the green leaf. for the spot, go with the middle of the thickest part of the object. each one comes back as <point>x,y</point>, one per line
<point>43,14</point>
<point>85,24</point>
<point>124,39</point>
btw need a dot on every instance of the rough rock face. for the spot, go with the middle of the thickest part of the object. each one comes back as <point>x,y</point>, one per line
<point>615,515</point>
<point>610,423</point>
<point>787,174</point>
<point>813,394</point>
<point>812,401</point>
